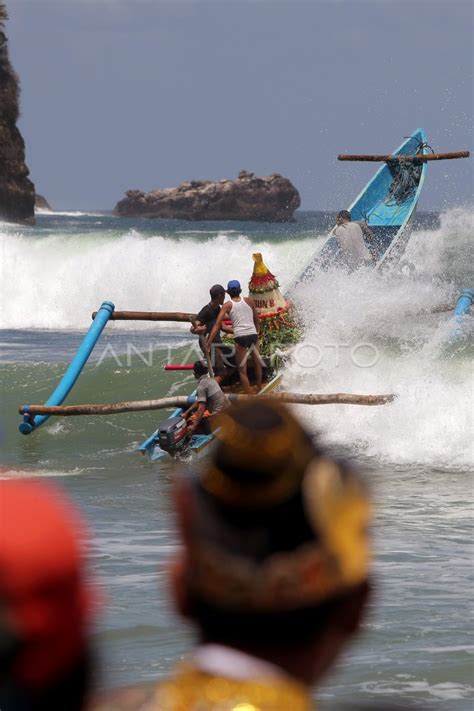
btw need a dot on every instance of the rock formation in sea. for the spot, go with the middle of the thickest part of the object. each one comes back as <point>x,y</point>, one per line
<point>269,199</point>
<point>41,204</point>
<point>17,192</point>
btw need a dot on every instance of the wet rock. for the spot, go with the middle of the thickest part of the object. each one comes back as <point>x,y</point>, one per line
<point>42,204</point>
<point>269,199</point>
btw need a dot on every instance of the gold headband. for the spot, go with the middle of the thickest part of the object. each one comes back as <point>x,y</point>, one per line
<point>338,508</point>
<point>278,461</point>
<point>241,442</point>
<point>262,493</point>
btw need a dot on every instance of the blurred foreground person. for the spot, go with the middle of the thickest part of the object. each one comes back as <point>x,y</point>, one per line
<point>44,603</point>
<point>273,571</point>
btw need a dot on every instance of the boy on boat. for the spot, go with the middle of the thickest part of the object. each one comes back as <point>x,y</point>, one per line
<point>350,238</point>
<point>246,327</point>
<point>210,400</point>
<point>204,323</point>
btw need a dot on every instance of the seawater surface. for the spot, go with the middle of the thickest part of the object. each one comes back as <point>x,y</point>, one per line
<point>366,333</point>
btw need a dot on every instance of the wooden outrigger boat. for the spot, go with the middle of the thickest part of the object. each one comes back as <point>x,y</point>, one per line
<point>197,444</point>
<point>387,204</point>
<point>276,321</point>
<point>275,314</point>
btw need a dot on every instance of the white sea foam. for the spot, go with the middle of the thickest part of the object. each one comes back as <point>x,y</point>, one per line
<point>363,335</point>
<point>369,319</point>
<point>431,250</point>
<point>11,473</point>
<point>57,281</point>
<point>66,213</point>
<point>446,691</point>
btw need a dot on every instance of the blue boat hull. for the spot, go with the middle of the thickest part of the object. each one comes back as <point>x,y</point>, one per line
<point>387,204</point>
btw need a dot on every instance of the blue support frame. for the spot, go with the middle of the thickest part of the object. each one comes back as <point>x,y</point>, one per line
<point>465,301</point>
<point>30,423</point>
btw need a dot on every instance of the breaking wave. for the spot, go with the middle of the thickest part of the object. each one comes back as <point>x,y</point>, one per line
<point>364,333</point>
<point>57,281</point>
<point>373,333</point>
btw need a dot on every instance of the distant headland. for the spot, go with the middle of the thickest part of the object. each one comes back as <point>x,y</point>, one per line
<point>269,199</point>
<point>17,192</point>
<point>41,204</point>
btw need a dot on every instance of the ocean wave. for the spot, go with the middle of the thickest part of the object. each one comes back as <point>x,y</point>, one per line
<point>67,213</point>
<point>56,281</point>
<point>364,332</point>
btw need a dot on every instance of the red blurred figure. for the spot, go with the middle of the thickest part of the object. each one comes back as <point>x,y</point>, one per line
<point>45,604</point>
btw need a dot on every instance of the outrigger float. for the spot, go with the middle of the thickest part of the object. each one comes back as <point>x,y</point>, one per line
<point>386,204</point>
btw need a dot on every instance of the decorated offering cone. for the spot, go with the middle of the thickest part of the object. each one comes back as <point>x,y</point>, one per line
<point>264,288</point>
<point>278,324</point>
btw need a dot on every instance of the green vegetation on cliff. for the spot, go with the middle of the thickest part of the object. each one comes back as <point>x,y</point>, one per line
<point>17,192</point>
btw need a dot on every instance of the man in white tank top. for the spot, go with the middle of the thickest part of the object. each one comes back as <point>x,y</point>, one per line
<point>246,324</point>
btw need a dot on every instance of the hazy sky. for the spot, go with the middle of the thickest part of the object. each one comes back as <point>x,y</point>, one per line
<point>120,94</point>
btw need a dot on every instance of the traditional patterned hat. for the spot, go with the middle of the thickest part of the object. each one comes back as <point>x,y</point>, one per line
<point>278,526</point>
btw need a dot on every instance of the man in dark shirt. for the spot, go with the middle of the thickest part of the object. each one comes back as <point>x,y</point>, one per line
<point>205,321</point>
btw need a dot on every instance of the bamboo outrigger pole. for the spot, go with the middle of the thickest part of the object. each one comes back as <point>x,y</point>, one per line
<point>150,316</point>
<point>419,158</point>
<point>165,403</point>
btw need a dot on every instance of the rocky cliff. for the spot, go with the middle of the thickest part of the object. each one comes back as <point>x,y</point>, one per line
<point>17,192</point>
<point>269,199</point>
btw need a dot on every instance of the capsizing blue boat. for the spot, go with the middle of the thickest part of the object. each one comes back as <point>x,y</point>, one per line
<point>387,204</point>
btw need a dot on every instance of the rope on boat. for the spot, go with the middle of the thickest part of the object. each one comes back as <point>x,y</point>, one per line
<point>405,177</point>
<point>405,180</point>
